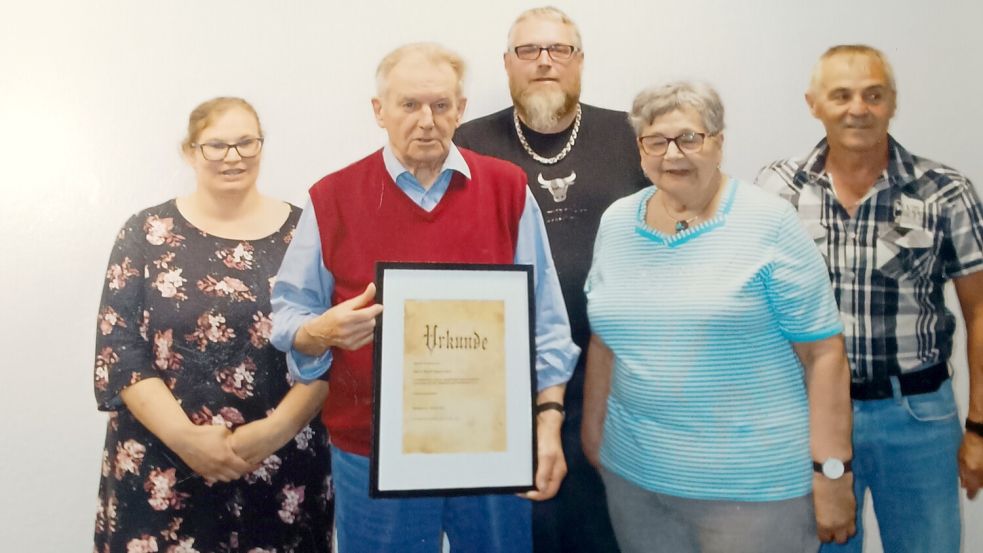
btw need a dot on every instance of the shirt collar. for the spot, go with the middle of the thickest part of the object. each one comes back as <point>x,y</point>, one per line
<point>901,165</point>
<point>454,162</point>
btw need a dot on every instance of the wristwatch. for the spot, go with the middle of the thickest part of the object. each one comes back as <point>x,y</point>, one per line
<point>832,468</point>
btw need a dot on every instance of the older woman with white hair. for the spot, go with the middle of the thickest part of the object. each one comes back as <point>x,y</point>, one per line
<point>717,384</point>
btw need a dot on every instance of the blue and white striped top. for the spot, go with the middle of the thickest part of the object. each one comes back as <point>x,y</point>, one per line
<point>708,398</point>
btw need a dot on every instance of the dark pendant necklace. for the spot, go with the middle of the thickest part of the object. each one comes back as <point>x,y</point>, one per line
<point>684,224</point>
<point>680,224</point>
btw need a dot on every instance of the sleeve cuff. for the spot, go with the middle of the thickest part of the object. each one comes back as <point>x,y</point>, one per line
<point>306,368</point>
<point>555,368</point>
<point>813,336</point>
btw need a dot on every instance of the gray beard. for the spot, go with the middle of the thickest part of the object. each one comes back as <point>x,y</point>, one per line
<point>542,110</point>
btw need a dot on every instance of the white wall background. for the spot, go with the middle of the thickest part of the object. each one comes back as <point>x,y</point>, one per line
<point>94,97</point>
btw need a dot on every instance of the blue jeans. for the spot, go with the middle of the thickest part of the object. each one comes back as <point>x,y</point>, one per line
<point>474,523</point>
<point>904,451</point>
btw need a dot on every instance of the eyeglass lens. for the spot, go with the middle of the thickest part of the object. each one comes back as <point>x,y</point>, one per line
<point>530,52</point>
<point>215,151</point>
<point>687,142</point>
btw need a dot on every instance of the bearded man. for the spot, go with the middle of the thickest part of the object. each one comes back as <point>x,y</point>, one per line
<point>578,159</point>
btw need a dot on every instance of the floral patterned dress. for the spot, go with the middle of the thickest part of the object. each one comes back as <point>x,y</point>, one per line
<point>194,310</point>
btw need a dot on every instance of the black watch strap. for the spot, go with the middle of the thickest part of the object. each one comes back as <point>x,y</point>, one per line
<point>548,405</point>
<point>974,427</point>
<point>847,466</point>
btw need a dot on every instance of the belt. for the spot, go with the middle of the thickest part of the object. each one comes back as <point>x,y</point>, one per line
<point>913,383</point>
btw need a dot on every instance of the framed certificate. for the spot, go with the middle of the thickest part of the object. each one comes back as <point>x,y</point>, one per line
<point>454,380</point>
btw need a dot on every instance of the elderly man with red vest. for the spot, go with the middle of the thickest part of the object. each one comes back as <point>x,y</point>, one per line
<point>418,199</point>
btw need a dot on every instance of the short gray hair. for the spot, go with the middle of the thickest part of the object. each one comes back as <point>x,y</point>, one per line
<point>851,50</point>
<point>657,101</point>
<point>545,12</point>
<point>433,52</point>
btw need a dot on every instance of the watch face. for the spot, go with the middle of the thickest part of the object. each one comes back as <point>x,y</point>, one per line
<point>833,468</point>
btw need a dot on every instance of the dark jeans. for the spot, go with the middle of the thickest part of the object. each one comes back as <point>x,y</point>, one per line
<point>576,520</point>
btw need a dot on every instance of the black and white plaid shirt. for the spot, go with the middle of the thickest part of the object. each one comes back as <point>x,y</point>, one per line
<point>920,225</point>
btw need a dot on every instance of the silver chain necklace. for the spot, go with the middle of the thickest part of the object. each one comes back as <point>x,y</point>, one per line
<point>547,160</point>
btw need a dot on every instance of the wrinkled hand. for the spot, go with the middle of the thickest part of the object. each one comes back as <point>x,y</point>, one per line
<point>348,325</point>
<point>256,441</point>
<point>206,450</point>
<point>552,464</point>
<point>971,464</point>
<point>836,507</point>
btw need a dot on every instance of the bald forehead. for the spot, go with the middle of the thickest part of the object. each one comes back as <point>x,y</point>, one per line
<point>859,63</point>
<point>415,61</point>
<point>417,71</point>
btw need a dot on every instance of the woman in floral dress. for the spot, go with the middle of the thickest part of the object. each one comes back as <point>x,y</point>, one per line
<point>209,446</point>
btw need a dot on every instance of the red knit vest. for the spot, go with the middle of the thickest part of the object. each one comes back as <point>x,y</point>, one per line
<point>363,217</point>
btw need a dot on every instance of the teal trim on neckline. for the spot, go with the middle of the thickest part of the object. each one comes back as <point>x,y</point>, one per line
<point>680,238</point>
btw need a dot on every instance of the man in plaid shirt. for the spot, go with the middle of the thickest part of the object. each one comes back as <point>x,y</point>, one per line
<point>894,228</point>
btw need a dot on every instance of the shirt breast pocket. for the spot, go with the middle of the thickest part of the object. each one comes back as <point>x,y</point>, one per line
<point>906,253</point>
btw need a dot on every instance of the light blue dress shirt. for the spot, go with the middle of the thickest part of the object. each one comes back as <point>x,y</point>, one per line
<point>304,286</point>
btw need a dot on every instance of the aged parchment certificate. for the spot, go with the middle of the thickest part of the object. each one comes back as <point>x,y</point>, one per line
<point>454,376</point>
